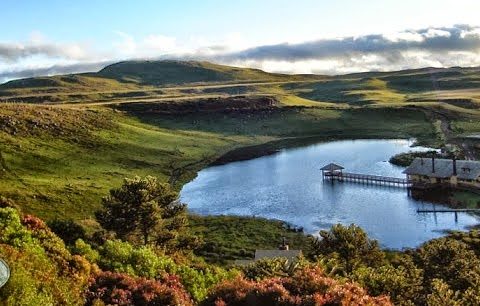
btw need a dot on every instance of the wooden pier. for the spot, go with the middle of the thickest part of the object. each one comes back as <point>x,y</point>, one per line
<point>448,210</point>
<point>367,179</point>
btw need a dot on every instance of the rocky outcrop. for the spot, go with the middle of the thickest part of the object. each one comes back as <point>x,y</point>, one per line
<point>242,104</point>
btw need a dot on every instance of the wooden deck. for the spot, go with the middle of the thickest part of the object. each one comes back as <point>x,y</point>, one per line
<point>367,179</point>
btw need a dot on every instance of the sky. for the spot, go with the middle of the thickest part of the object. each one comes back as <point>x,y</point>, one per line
<point>302,36</point>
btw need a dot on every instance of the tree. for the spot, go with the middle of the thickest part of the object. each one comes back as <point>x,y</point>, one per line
<point>68,230</point>
<point>351,244</point>
<point>143,209</point>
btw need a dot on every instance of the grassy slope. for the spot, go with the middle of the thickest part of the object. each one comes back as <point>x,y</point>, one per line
<point>62,175</point>
<point>455,86</point>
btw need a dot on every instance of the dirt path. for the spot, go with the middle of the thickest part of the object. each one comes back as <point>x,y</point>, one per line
<point>450,137</point>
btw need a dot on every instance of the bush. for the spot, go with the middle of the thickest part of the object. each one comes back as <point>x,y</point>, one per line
<point>307,287</point>
<point>5,202</point>
<point>471,238</point>
<point>121,289</point>
<point>443,295</point>
<point>84,249</point>
<point>119,256</point>
<point>43,272</point>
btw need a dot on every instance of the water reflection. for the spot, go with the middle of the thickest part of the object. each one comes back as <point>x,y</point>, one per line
<point>289,186</point>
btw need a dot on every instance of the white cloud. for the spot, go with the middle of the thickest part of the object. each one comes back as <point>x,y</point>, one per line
<point>435,46</point>
<point>437,33</point>
<point>161,43</point>
<point>126,45</point>
<point>470,32</point>
<point>405,36</point>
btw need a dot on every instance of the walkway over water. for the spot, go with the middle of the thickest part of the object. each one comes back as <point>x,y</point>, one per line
<point>367,179</point>
<point>335,172</point>
<point>448,210</point>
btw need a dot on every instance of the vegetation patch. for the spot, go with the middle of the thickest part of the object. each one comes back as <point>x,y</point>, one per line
<point>227,238</point>
<point>405,159</point>
<point>466,199</point>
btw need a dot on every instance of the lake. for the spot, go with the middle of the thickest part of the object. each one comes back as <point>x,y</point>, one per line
<point>288,186</point>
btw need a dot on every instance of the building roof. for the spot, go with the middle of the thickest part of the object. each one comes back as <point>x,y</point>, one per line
<point>288,254</point>
<point>466,169</point>
<point>331,167</point>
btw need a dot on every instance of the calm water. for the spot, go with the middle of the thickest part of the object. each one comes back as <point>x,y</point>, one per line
<point>288,186</point>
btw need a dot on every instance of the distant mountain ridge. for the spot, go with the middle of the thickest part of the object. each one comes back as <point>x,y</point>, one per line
<point>150,73</point>
<point>180,72</point>
<point>153,79</point>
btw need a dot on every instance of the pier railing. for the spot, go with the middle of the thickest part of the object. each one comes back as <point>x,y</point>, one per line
<point>367,179</point>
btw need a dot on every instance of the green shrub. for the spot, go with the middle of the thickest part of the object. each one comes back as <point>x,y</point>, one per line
<point>123,257</point>
<point>84,249</point>
<point>145,211</point>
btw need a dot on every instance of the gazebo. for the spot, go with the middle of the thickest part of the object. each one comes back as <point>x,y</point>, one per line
<point>332,170</point>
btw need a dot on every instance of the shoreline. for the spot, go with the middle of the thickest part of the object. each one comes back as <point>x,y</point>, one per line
<point>275,146</point>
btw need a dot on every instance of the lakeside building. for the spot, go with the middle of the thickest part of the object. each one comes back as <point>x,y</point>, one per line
<point>444,172</point>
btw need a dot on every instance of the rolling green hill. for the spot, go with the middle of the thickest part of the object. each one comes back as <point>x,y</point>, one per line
<point>182,72</point>
<point>159,80</point>
<point>142,80</point>
<point>141,74</point>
